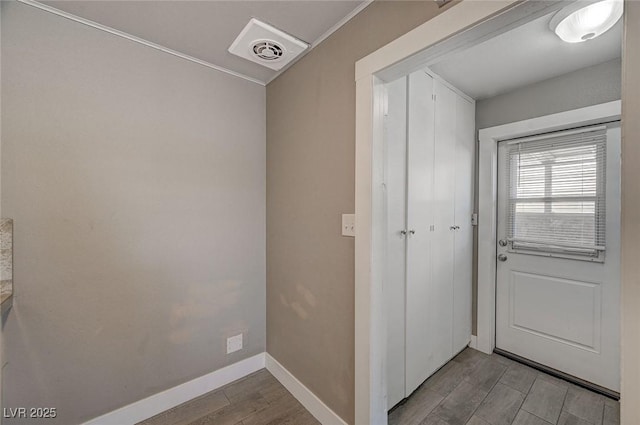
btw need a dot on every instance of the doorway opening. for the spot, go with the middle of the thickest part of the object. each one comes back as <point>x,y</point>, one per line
<point>425,253</point>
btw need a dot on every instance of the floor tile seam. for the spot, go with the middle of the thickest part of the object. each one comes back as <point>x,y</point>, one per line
<point>433,411</point>
<point>488,392</point>
<point>230,404</point>
<point>519,406</point>
<point>564,401</point>
<point>439,403</point>
<point>186,404</point>
<point>542,419</point>
<point>515,389</point>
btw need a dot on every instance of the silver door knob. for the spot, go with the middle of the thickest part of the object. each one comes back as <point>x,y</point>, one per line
<point>412,232</point>
<point>502,242</point>
<point>403,232</point>
<point>502,257</point>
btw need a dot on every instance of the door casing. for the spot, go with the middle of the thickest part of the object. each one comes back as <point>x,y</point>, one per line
<point>488,198</point>
<point>462,25</point>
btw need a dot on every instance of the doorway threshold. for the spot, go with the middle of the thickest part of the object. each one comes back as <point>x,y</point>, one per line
<point>559,374</point>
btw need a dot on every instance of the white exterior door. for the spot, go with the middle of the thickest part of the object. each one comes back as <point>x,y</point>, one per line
<point>558,281</point>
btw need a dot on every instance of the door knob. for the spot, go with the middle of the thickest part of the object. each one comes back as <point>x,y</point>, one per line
<point>403,232</point>
<point>412,232</point>
<point>502,257</point>
<point>502,242</point>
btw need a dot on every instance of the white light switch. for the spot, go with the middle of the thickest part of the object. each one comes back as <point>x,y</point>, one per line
<point>348,225</point>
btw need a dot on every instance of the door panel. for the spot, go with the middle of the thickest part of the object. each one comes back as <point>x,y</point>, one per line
<point>395,179</point>
<point>566,311</point>
<point>440,299</point>
<point>420,343</point>
<point>462,270</point>
<point>557,310</point>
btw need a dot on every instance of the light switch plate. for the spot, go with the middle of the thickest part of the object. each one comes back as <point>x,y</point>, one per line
<point>348,225</point>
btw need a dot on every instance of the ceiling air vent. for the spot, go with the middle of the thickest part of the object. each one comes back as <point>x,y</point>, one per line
<point>264,44</point>
<point>268,50</point>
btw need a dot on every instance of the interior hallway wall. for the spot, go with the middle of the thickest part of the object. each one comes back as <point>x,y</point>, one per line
<point>310,183</point>
<point>630,384</point>
<point>137,184</point>
<point>585,87</point>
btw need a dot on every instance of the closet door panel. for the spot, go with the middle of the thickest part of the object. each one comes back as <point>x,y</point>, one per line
<point>440,299</point>
<point>395,138</point>
<point>419,330</point>
<point>464,184</point>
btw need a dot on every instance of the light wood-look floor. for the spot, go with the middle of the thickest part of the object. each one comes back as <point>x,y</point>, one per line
<point>478,389</point>
<point>472,389</point>
<point>258,399</point>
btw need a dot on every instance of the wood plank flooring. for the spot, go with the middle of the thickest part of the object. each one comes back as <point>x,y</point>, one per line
<point>472,389</point>
<point>478,389</point>
<point>257,399</point>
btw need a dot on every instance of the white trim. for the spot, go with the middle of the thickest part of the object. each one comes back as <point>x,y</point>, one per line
<point>442,26</point>
<point>341,22</point>
<point>370,322</point>
<point>308,399</point>
<point>135,39</point>
<point>453,30</point>
<point>488,198</point>
<point>324,36</point>
<point>180,55</point>
<point>474,342</point>
<point>158,403</point>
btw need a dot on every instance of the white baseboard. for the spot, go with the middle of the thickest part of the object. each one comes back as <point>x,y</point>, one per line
<point>474,342</point>
<point>309,400</point>
<point>158,403</point>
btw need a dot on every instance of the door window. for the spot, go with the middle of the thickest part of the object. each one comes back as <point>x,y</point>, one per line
<point>556,202</point>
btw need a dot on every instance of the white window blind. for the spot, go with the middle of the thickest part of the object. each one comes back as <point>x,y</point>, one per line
<point>557,192</point>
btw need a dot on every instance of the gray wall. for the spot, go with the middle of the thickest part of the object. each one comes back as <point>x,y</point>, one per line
<point>630,383</point>
<point>310,183</point>
<point>137,184</point>
<point>588,86</point>
<point>585,87</point>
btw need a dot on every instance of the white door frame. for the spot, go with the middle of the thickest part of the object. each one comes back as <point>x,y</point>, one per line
<point>453,30</point>
<point>488,199</point>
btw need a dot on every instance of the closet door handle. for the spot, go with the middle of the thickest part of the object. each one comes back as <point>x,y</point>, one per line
<point>452,227</point>
<point>403,232</point>
<point>412,232</point>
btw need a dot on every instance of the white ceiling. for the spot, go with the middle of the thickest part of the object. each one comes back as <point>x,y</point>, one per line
<point>205,29</point>
<point>522,56</point>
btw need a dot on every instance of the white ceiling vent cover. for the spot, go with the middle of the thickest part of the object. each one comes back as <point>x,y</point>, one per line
<point>266,45</point>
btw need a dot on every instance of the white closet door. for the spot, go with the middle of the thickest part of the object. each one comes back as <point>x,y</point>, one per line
<point>395,127</point>
<point>462,270</point>
<point>421,314</point>
<point>440,297</point>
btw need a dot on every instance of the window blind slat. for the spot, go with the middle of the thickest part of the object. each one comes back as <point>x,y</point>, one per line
<point>557,192</point>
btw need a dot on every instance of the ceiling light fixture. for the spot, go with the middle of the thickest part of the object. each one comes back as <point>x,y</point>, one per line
<point>584,20</point>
